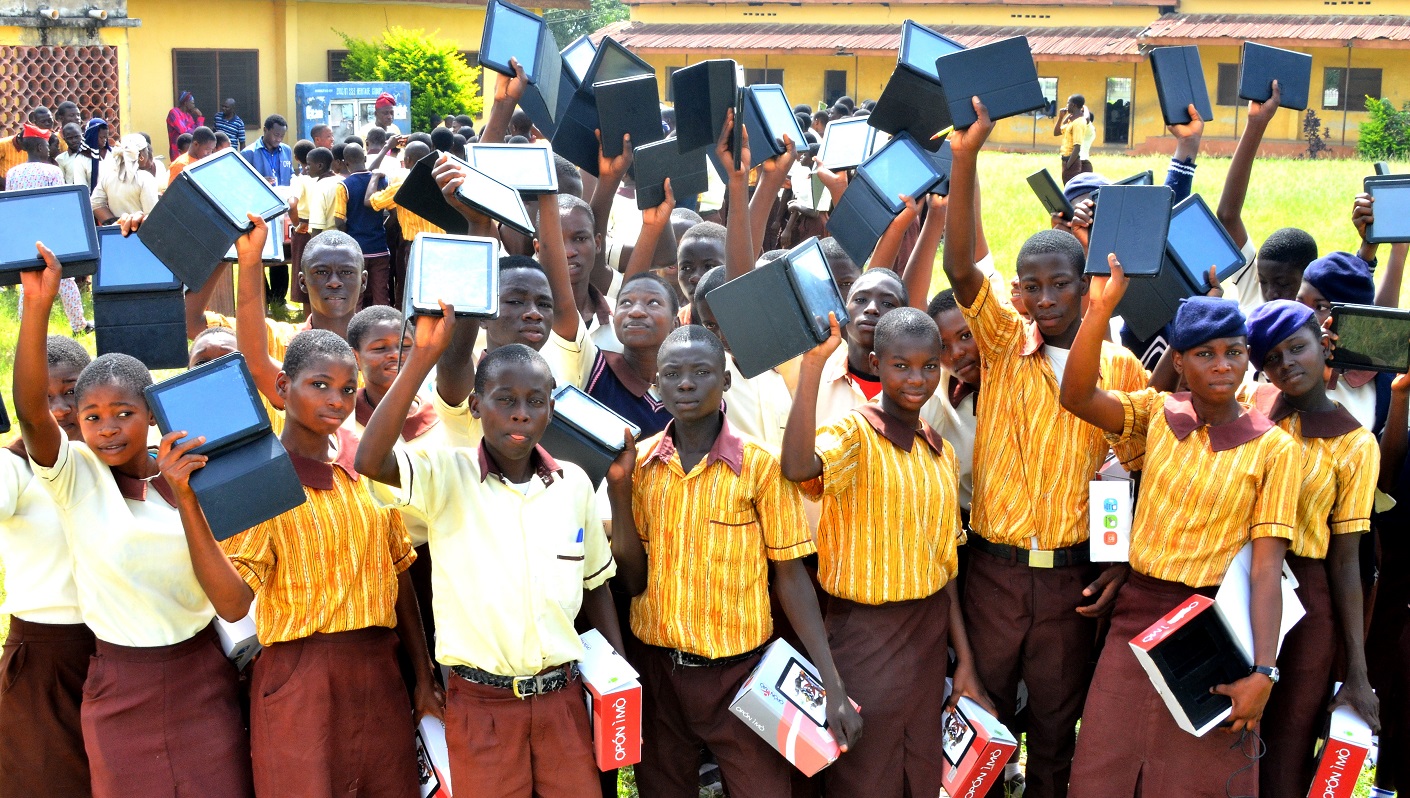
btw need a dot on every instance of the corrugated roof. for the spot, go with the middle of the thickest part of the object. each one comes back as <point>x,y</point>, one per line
<point>909,2</point>
<point>1306,30</point>
<point>1048,43</point>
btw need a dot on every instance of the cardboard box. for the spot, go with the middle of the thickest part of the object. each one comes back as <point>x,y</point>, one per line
<point>976,748</point>
<point>784,702</point>
<point>432,759</point>
<point>239,640</point>
<point>1344,755</point>
<point>1109,505</point>
<point>614,703</point>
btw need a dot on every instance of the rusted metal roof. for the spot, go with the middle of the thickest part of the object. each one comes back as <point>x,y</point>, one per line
<point>1048,43</point>
<point>1305,30</point>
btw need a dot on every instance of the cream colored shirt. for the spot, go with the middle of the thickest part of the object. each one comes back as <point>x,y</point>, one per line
<point>38,572</point>
<point>758,407</point>
<point>956,424</point>
<point>77,168</point>
<point>136,585</point>
<point>437,437</point>
<point>136,196</point>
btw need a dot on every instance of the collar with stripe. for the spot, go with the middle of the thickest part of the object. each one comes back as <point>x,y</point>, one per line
<point>1182,419</point>
<point>134,489</point>
<point>727,448</point>
<point>895,430</point>
<point>317,474</point>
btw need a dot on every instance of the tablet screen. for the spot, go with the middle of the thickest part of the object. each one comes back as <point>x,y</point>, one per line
<point>513,34</point>
<point>216,403</point>
<point>125,262</point>
<point>237,189</point>
<point>499,200</point>
<point>899,169</point>
<point>816,290</point>
<point>844,144</point>
<point>457,271</point>
<point>1392,209</point>
<point>57,218</point>
<point>523,167</point>
<point>591,417</point>
<point>1373,341</point>
<point>1199,242</point>
<point>578,56</point>
<point>922,46</point>
<point>614,63</point>
<point>778,114</point>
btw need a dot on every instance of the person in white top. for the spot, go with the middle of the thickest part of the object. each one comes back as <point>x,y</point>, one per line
<point>124,185</point>
<point>382,113</point>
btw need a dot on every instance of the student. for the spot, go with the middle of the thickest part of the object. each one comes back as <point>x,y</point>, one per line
<point>202,144</point>
<point>953,409</point>
<point>529,552</point>
<point>701,249</point>
<point>1029,568</point>
<point>1342,277</point>
<point>703,493</point>
<point>351,215</point>
<point>886,554</point>
<point>1340,463</point>
<point>211,343</point>
<point>1215,476</point>
<point>160,711</point>
<point>1071,126</point>
<point>315,193</point>
<point>682,219</point>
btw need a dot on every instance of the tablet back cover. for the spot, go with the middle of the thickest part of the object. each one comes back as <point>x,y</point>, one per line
<point>247,486</point>
<point>576,137</point>
<point>1263,64</point>
<point>760,316</point>
<point>187,234</point>
<point>1002,74</point>
<point>570,445</point>
<point>628,106</point>
<point>1150,304</point>
<point>704,93</point>
<point>655,162</point>
<point>1179,83</point>
<point>419,194</point>
<point>1133,222</point>
<point>857,221</point>
<point>913,103</point>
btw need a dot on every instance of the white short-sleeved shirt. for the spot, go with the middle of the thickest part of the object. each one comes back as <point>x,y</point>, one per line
<point>758,407</point>
<point>38,572</point>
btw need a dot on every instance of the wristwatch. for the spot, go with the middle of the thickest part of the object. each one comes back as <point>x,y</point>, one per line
<point>1271,671</point>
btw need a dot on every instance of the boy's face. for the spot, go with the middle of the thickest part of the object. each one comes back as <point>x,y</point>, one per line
<point>333,281</point>
<point>380,355</point>
<point>321,396</point>
<point>1295,366</point>
<point>1051,290</point>
<point>692,381</point>
<point>959,352</point>
<point>1278,280</point>
<point>63,402</point>
<point>707,320</point>
<point>525,310</point>
<point>73,137</point>
<point>694,257</point>
<point>200,149</point>
<point>643,316</point>
<point>209,348</point>
<point>317,168</point>
<point>873,296</point>
<point>324,139</point>
<point>581,244</point>
<point>1308,295</point>
<point>114,421</point>
<point>909,370</point>
<point>845,273</point>
<point>515,409</point>
<point>1215,368</point>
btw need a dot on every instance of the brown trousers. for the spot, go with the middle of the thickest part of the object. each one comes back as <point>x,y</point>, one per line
<point>165,721</point>
<point>892,658</point>
<point>41,687</point>
<point>1296,709</point>
<point>379,281</point>
<point>687,709</point>
<point>1023,626</point>
<point>502,746</point>
<point>329,715</point>
<point>1130,744</point>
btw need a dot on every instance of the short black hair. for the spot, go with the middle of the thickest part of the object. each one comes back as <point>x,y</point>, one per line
<point>309,346</point>
<point>338,239</point>
<point>202,135</point>
<point>115,368</point>
<point>302,148</point>
<point>421,136</point>
<point>513,356</point>
<point>62,350</point>
<point>319,128</point>
<point>652,277</point>
<point>833,250</point>
<point>771,256</point>
<point>695,334</point>
<point>354,139</point>
<point>710,231</point>
<point>221,136</point>
<point>183,141</point>
<point>338,150</point>
<point>465,120</point>
<point>321,155</point>
<point>376,136</point>
<point>570,180</point>
<point>1054,242</point>
<point>1077,99</point>
<point>942,302</point>
<point>846,102</point>
<point>211,332</point>
<point>889,274</point>
<point>710,281</point>
<point>511,262</point>
<point>273,120</point>
<point>516,139</point>
<point>821,116</point>
<point>1289,245</point>
<point>364,320</point>
<point>567,203</point>
<point>904,323</point>
<point>520,123</point>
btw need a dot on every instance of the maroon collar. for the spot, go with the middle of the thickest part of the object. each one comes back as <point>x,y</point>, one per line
<point>896,431</point>
<point>135,489</point>
<point>1033,339</point>
<point>317,474</point>
<point>1182,419</point>
<point>960,390</point>
<point>728,447</point>
<point>545,467</point>
<point>418,422</point>
<point>625,375</point>
<point>1353,378</point>
<point>1311,424</point>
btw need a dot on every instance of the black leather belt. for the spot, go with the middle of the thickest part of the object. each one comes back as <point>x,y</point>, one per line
<point>1081,554</point>
<point>523,686</point>
<point>685,659</point>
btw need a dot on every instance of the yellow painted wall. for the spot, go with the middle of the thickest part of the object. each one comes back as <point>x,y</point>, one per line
<point>879,14</point>
<point>1318,7</point>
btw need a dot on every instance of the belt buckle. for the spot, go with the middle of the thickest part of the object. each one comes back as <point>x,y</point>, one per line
<point>532,680</point>
<point>1040,558</point>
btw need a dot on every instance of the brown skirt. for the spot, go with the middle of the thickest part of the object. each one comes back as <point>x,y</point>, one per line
<point>165,721</point>
<point>1129,743</point>
<point>1298,705</point>
<point>41,688</point>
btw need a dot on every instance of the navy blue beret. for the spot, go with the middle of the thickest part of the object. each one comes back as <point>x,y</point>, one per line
<point>1342,277</point>
<point>1270,324</point>
<point>1204,318</point>
<point>1082,185</point>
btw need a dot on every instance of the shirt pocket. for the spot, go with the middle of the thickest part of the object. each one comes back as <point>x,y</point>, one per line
<point>567,571</point>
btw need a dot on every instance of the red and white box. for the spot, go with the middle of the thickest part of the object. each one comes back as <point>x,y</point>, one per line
<point>1344,755</point>
<point>976,748</point>
<point>239,640</point>
<point>784,702</point>
<point>614,703</point>
<point>432,759</point>
<point>1185,653</point>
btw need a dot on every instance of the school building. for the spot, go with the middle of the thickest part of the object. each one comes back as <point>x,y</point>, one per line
<point>126,60</point>
<point>820,50</point>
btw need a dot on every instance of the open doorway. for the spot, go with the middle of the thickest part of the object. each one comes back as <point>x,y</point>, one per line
<point>1116,119</point>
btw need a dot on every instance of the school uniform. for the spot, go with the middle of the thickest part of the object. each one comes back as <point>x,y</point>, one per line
<point>325,574</point>
<point>160,714</point>
<point>605,376</point>
<point>953,412</point>
<point>704,617</point>
<point>758,407</point>
<point>46,654</point>
<point>886,549</point>
<point>1340,461</point>
<point>509,567</point>
<point>1028,553</point>
<point>1205,493</point>
<point>366,226</point>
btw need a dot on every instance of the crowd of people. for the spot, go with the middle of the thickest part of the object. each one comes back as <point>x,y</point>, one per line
<point>906,503</point>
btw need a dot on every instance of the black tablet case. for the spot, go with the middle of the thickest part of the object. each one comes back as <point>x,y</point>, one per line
<point>659,160</point>
<point>861,216</point>
<point>413,279</point>
<point>576,136</point>
<point>759,313</point>
<point>912,102</point>
<point>72,266</point>
<point>762,145</point>
<point>1344,356</point>
<point>1199,655</point>
<point>566,442</point>
<point>1002,74</point>
<point>1179,83</point>
<point>545,100</point>
<point>704,93</point>
<point>531,71</point>
<point>628,106</point>
<point>149,325</point>
<point>1262,65</point>
<point>1370,184</point>
<point>942,160</point>
<point>1049,193</point>
<point>420,195</point>
<point>1133,222</point>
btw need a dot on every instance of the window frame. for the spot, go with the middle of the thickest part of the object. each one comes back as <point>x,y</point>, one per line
<point>253,121</point>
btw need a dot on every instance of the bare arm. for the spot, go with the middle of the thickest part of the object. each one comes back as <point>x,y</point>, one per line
<point>887,248</point>
<point>376,458</point>
<point>601,613</point>
<point>228,593</point>
<point>772,174</point>
<point>966,680</point>
<point>627,548</point>
<point>609,179</point>
<point>800,603</point>
<point>250,333</point>
<point>959,259</point>
<point>1388,294</point>
<point>1231,201</point>
<point>42,435</point>
<point>920,269</point>
<point>740,250</point>
<point>429,697</point>
<point>1080,395</point>
<point>1395,438</point>
<point>798,455</point>
<point>1344,570</point>
<point>1250,694</point>
<point>507,93</point>
<point>655,224</point>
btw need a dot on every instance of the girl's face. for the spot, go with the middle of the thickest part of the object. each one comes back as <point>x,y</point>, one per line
<point>63,402</point>
<point>1215,368</point>
<point>1295,365</point>
<point>320,398</point>
<point>114,422</point>
<point>643,317</point>
<point>380,355</point>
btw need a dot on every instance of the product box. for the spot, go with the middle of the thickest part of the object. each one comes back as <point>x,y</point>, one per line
<point>614,703</point>
<point>1347,748</point>
<point>976,747</point>
<point>238,639</point>
<point>432,759</point>
<point>1109,506</point>
<point>1187,652</point>
<point>785,703</point>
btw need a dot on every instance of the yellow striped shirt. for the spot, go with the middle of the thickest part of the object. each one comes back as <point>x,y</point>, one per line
<point>1202,500</point>
<point>1033,460</point>
<point>10,155</point>
<point>709,535</point>
<point>410,223</point>
<point>890,508</point>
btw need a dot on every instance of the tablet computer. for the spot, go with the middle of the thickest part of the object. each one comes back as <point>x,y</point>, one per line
<point>236,189</point>
<point>817,292</point>
<point>1371,338</point>
<point>612,61</point>
<point>1392,208</point>
<point>628,107</point>
<point>901,167</point>
<point>591,417</point>
<point>218,400</point>
<point>511,32</point>
<point>1134,223</point>
<point>1261,65</point>
<point>920,46</point>
<point>494,199</point>
<point>1382,168</point>
<point>1146,178</point>
<point>1054,201</point>
<point>462,270</point>
<point>578,58</point>
<point>846,143</point>
<point>126,266</point>
<point>59,216</point>
<point>1002,74</point>
<point>273,251</point>
<point>1179,83</point>
<point>770,107</point>
<point>530,168</point>
<point>1197,241</point>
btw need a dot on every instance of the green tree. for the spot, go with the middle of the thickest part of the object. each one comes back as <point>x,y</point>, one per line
<point>1385,135</point>
<point>441,81</point>
<point>568,24</point>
